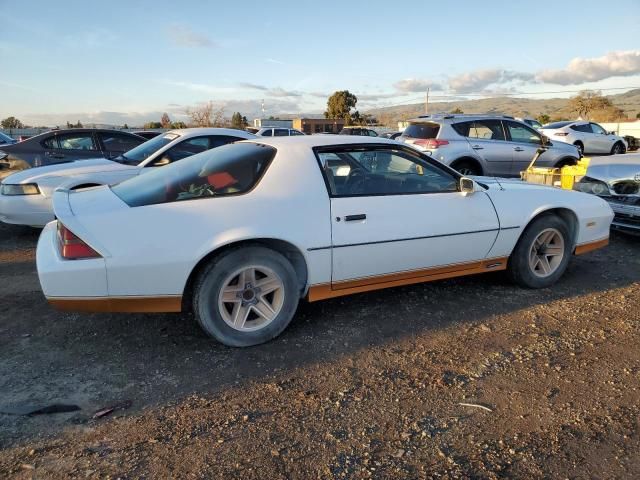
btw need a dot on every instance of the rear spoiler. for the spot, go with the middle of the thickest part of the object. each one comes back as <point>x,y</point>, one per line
<point>64,213</point>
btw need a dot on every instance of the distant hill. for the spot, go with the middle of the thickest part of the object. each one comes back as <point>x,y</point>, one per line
<point>556,108</point>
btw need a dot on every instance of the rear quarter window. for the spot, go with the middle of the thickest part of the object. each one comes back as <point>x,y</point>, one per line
<point>422,130</point>
<point>226,170</point>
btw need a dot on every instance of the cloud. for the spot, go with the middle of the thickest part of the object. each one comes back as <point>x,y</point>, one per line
<point>272,92</point>
<point>184,36</point>
<point>412,85</point>
<point>273,60</point>
<point>198,87</point>
<point>372,97</point>
<point>582,70</point>
<point>479,80</point>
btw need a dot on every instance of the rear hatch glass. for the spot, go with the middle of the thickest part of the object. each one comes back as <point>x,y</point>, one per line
<point>422,130</point>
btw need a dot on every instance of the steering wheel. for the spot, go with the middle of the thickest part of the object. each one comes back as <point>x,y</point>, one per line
<point>355,180</point>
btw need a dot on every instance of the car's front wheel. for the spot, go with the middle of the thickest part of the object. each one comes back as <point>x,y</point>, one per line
<point>618,149</point>
<point>542,254</point>
<point>246,296</point>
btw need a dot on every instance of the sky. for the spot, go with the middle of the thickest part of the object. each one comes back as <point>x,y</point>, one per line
<point>129,61</point>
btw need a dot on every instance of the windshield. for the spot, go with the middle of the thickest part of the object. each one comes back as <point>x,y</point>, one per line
<point>422,130</point>
<point>230,169</point>
<point>5,138</point>
<point>146,149</point>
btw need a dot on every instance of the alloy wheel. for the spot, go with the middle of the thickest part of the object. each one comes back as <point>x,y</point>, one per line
<point>251,298</point>
<point>546,253</point>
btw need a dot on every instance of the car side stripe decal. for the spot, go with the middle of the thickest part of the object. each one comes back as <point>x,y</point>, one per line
<point>412,238</point>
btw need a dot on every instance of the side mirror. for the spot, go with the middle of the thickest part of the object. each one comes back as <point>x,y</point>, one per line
<point>612,133</point>
<point>546,141</point>
<point>467,186</point>
<point>161,162</point>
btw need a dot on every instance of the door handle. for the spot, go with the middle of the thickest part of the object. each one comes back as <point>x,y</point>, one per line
<point>54,155</point>
<point>351,218</point>
<point>518,149</point>
<point>477,147</point>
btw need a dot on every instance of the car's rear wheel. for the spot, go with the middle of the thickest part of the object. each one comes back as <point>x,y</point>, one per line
<point>467,167</point>
<point>542,254</point>
<point>618,149</point>
<point>246,296</point>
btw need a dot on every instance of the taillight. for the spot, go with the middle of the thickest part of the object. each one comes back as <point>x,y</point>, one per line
<point>561,134</point>
<point>431,143</point>
<point>72,247</point>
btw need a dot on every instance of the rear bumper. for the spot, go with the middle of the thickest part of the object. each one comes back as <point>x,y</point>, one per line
<point>32,210</point>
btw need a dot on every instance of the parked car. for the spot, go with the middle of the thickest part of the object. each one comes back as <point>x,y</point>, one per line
<point>216,232</point>
<point>533,123</point>
<point>616,180</point>
<point>148,134</point>
<point>484,144</point>
<point>59,146</point>
<point>6,140</point>
<point>278,132</point>
<point>367,132</point>
<point>588,137</point>
<point>25,197</point>
<point>390,135</point>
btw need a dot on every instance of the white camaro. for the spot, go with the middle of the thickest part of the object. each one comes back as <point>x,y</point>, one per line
<point>242,232</point>
<point>25,197</point>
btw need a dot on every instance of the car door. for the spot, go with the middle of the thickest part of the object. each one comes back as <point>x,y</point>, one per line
<point>70,146</point>
<point>397,214</point>
<point>602,142</point>
<point>115,143</point>
<point>487,138</point>
<point>525,142</point>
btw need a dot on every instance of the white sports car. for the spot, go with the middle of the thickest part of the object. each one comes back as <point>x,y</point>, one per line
<point>589,137</point>
<point>25,196</point>
<point>242,232</point>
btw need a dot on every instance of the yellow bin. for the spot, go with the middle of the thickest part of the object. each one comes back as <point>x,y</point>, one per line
<point>573,173</point>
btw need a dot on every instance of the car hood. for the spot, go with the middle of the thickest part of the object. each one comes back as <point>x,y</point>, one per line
<point>79,167</point>
<point>495,183</point>
<point>615,167</point>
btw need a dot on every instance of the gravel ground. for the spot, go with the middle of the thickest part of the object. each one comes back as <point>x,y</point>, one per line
<point>369,386</point>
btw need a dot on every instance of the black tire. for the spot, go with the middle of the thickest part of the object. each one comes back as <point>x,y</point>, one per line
<point>618,148</point>
<point>519,268</point>
<point>566,161</point>
<point>210,282</point>
<point>466,167</point>
<point>580,146</point>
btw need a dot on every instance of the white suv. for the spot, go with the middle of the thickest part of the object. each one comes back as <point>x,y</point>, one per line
<point>484,144</point>
<point>589,137</point>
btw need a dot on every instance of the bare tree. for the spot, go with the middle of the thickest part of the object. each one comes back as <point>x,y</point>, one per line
<point>206,115</point>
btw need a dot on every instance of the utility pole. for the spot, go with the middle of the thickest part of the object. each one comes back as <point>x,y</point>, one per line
<point>262,108</point>
<point>426,101</point>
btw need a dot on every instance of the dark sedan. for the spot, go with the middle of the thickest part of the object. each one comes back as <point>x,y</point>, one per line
<point>60,146</point>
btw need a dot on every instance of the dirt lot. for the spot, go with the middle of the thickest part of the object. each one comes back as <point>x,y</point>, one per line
<point>364,387</point>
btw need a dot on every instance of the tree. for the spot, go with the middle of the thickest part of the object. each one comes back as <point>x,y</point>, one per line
<point>152,125</point>
<point>11,122</point>
<point>339,105</point>
<point>238,121</point>
<point>543,118</point>
<point>178,125</point>
<point>125,127</point>
<point>74,125</point>
<point>457,110</point>
<point>205,115</point>
<point>588,101</point>
<point>165,121</point>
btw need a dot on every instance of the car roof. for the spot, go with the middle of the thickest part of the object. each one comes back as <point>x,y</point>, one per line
<point>441,117</point>
<point>322,140</point>
<point>192,132</point>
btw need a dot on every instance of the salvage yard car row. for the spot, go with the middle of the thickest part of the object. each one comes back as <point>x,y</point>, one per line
<point>239,228</point>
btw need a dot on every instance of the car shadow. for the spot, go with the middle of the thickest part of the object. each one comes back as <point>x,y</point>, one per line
<point>95,360</point>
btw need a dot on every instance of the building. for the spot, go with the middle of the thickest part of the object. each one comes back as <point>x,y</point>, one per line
<point>270,122</point>
<point>318,125</point>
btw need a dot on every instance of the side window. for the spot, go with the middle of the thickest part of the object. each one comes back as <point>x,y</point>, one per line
<point>372,133</point>
<point>595,128</point>
<point>268,133</point>
<point>295,132</point>
<point>585,128</point>
<point>51,142</point>
<point>523,134</point>
<point>382,171</point>
<point>280,132</point>
<point>116,142</point>
<point>486,130</point>
<point>186,149</point>
<point>76,141</point>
